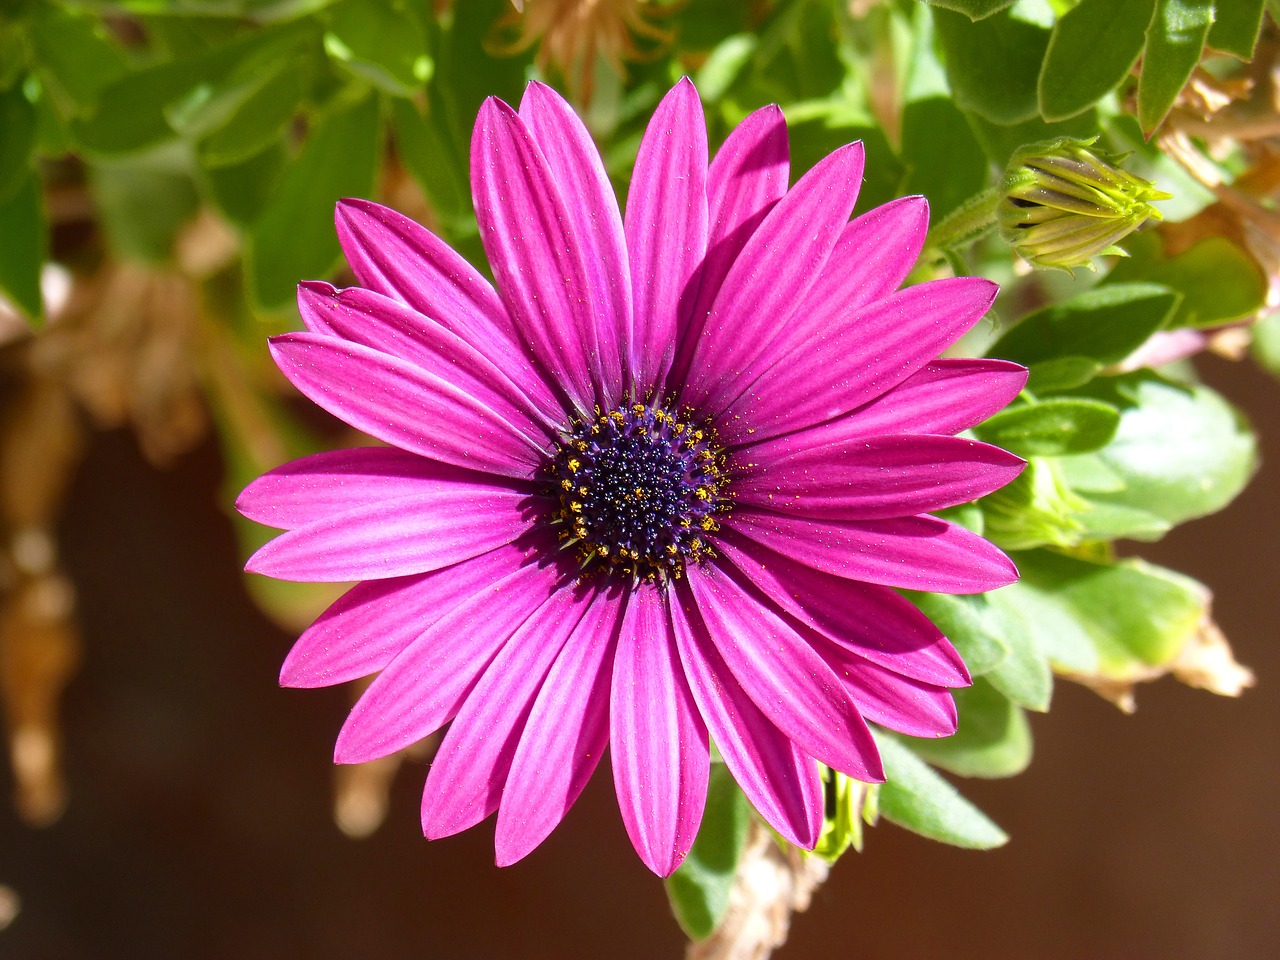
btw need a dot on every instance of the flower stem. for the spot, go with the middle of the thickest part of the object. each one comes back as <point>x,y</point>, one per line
<point>967,223</point>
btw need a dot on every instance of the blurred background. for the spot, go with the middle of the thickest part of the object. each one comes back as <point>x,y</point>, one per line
<point>167,174</point>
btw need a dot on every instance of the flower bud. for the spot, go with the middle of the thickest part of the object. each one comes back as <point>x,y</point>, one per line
<point>1062,203</point>
<point>850,803</point>
<point>1037,509</point>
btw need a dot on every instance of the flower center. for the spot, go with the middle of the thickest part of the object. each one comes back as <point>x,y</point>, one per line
<point>639,489</point>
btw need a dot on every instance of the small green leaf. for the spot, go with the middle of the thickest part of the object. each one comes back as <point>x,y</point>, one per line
<point>1061,373</point>
<point>1219,281</point>
<point>23,236</point>
<point>1175,40</point>
<point>1053,427</point>
<point>1093,48</point>
<point>966,623</point>
<point>1106,324</point>
<point>1181,451</point>
<point>973,9</point>
<point>992,740</point>
<point>145,199</point>
<point>243,190</point>
<point>992,64</point>
<point>1024,675</point>
<point>17,140</point>
<point>1236,25</point>
<point>915,797</point>
<point>257,122</point>
<point>699,889</point>
<point>380,42</point>
<point>294,239</point>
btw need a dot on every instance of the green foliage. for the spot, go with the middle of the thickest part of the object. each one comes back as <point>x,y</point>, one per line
<point>22,246</point>
<point>1236,26</point>
<point>699,889</point>
<point>1175,40</point>
<point>1093,48</point>
<point>1052,428</point>
<point>993,739</point>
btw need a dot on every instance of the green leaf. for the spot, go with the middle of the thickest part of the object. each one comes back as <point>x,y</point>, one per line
<point>699,889</point>
<point>75,59</point>
<point>943,161</point>
<point>1061,373</point>
<point>1219,281</point>
<point>1181,451</point>
<point>917,798</point>
<point>1105,324</point>
<point>1001,141</point>
<point>380,42</point>
<point>1053,427</point>
<point>1093,48</point>
<point>1024,675</point>
<point>17,140</point>
<point>992,740</point>
<point>431,158</point>
<point>966,623</point>
<point>973,9</point>
<point>1175,40</point>
<point>992,64</point>
<point>258,122</point>
<point>294,240</point>
<point>1236,26</point>
<point>23,237</point>
<point>724,64</point>
<point>242,190</point>
<point>144,200</point>
<point>1266,343</point>
<point>1128,613</point>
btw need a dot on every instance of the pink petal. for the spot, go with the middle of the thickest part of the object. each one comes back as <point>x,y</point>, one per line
<point>915,553</point>
<point>666,228</point>
<point>441,525</point>
<point>564,736</point>
<point>772,275</point>
<point>541,262</point>
<point>498,367</point>
<point>884,697</point>
<point>852,359</point>
<point>942,397</point>
<point>660,755</point>
<point>872,621</point>
<point>316,487</point>
<point>470,768</point>
<point>781,782</point>
<point>575,165</point>
<point>747,177</point>
<point>424,685</point>
<point>364,629</point>
<point>872,478</point>
<point>783,675</point>
<point>417,410</point>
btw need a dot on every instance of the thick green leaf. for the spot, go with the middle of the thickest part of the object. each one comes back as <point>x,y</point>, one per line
<point>967,625</point>
<point>1236,24</point>
<point>943,161</point>
<point>1053,427</point>
<point>699,889</point>
<point>1219,281</point>
<point>144,200</point>
<point>243,190</point>
<point>75,59</point>
<point>1061,373</point>
<point>294,240</point>
<point>23,237</point>
<point>1093,48</point>
<point>258,121</point>
<point>916,797</point>
<point>973,9</point>
<point>379,41</point>
<point>1105,324</point>
<point>1024,675</point>
<point>993,738</point>
<point>1175,40</point>
<point>992,64</point>
<point>1125,612</point>
<point>17,140</point>
<point>432,159</point>
<point>1181,451</point>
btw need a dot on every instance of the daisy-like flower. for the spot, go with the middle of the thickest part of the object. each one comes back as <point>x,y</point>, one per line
<point>653,492</point>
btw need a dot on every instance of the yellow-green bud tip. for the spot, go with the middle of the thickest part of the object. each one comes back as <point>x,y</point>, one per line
<point>1062,203</point>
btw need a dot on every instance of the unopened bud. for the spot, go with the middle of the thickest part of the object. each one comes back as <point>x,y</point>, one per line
<point>1037,509</point>
<point>1062,203</point>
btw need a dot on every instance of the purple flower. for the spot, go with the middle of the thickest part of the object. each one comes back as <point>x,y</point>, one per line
<point>655,491</point>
